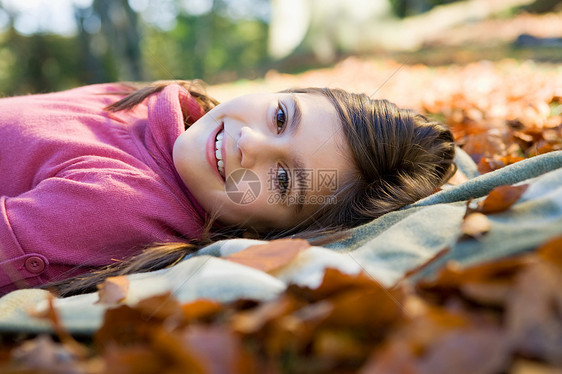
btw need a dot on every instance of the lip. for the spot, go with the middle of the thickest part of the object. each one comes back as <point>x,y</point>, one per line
<point>211,156</point>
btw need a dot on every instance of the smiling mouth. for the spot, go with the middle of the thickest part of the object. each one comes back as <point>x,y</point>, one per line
<point>218,152</point>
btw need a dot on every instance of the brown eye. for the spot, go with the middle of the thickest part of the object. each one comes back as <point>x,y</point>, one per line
<point>283,181</point>
<point>280,118</point>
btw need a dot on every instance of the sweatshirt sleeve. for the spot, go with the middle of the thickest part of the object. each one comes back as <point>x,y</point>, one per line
<point>81,218</point>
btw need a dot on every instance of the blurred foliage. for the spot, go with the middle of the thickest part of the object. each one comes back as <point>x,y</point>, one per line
<point>211,47</point>
<point>38,63</point>
<point>405,8</point>
<point>113,43</point>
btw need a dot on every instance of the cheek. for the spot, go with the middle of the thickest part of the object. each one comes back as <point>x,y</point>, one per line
<point>179,155</point>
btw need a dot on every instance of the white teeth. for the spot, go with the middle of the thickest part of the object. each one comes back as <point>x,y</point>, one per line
<point>218,152</point>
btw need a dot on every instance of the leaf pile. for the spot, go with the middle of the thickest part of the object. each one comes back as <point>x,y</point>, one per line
<point>497,317</point>
<point>500,121</point>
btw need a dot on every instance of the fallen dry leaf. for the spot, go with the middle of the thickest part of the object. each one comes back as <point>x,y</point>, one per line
<point>201,310</point>
<point>501,198</point>
<point>113,290</point>
<point>270,256</point>
<point>551,251</point>
<point>208,343</point>
<point>533,312</point>
<point>475,225</point>
<point>43,354</point>
<point>51,315</point>
<point>424,265</point>
<point>333,282</point>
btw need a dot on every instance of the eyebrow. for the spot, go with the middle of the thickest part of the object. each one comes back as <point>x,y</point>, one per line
<point>294,124</point>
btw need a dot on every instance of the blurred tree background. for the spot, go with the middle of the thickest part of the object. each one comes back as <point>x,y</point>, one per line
<point>213,40</point>
<point>112,40</point>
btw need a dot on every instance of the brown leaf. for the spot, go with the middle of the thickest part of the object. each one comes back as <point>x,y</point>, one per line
<point>334,282</point>
<point>395,357</point>
<point>489,293</point>
<point>485,144</point>
<point>255,320</point>
<point>218,350</point>
<point>113,290</point>
<point>201,309</point>
<point>424,265</point>
<point>487,164</point>
<point>50,314</point>
<point>42,354</point>
<point>179,355</point>
<point>473,350</point>
<point>501,198</point>
<point>297,329</point>
<point>522,366</point>
<point>373,310</point>
<point>475,225</point>
<point>533,313</point>
<point>551,251</point>
<point>270,256</point>
<point>125,324</point>
<point>340,345</point>
<point>134,359</point>
<point>482,283</point>
<point>161,307</point>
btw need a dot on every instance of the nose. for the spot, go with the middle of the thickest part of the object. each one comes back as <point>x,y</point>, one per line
<point>256,146</point>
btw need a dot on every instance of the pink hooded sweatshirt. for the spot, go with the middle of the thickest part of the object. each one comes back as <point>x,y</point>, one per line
<point>80,186</point>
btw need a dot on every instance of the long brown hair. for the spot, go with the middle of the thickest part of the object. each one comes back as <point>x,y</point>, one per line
<point>399,156</point>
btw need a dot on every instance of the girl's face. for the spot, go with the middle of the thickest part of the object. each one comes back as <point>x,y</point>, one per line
<point>264,161</point>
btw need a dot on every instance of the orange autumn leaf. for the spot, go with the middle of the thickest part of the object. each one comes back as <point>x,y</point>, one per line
<point>501,198</point>
<point>485,284</point>
<point>218,349</point>
<point>373,310</point>
<point>551,251</point>
<point>201,309</point>
<point>254,320</point>
<point>113,290</point>
<point>487,164</point>
<point>161,307</point>
<point>136,358</point>
<point>334,282</point>
<point>270,256</point>
<point>339,344</point>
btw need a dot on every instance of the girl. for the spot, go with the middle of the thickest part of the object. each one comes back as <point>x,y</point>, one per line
<point>93,175</point>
